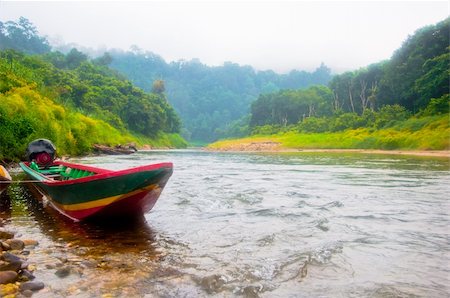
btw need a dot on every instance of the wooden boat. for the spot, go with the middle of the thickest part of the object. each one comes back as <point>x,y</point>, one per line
<point>4,177</point>
<point>81,192</point>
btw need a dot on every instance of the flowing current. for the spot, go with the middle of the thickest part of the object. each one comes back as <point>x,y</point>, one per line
<point>256,225</point>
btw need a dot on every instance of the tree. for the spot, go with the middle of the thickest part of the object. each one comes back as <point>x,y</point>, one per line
<point>74,58</point>
<point>103,60</point>
<point>22,36</point>
<point>158,87</point>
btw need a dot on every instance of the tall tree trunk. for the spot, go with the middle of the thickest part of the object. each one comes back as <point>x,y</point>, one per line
<point>350,96</point>
<point>336,105</point>
<point>362,95</point>
<point>373,95</point>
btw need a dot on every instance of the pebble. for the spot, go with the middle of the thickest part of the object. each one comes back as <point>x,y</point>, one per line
<point>10,266</point>
<point>27,293</point>
<point>32,286</point>
<point>7,277</point>
<point>4,234</point>
<point>15,272</point>
<point>9,257</point>
<point>15,244</point>
<point>27,274</point>
<point>4,246</point>
<point>30,242</point>
<point>63,272</point>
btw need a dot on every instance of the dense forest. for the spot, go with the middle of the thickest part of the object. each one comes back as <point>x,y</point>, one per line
<point>413,83</point>
<point>208,98</point>
<point>85,100</point>
<point>71,99</point>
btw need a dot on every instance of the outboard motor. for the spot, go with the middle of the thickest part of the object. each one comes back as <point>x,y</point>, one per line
<point>41,151</point>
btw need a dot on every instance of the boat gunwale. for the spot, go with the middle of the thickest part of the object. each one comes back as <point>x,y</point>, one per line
<point>99,173</point>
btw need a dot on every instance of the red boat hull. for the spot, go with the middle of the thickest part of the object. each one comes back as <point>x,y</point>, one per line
<point>102,193</point>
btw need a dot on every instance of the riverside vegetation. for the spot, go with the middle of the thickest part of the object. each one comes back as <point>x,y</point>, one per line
<point>74,101</point>
<point>77,101</point>
<point>401,103</point>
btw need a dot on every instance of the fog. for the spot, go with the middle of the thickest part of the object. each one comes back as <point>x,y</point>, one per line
<point>277,35</point>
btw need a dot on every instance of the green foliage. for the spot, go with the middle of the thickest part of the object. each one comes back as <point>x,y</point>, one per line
<point>390,114</point>
<point>437,106</point>
<point>427,133</point>
<point>236,129</point>
<point>417,72</point>
<point>209,99</point>
<point>288,107</point>
<point>22,36</point>
<point>378,100</point>
<point>92,89</point>
<point>26,115</point>
<point>435,80</point>
<point>267,130</point>
<point>76,103</point>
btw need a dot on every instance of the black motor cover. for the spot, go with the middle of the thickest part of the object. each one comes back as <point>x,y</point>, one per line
<point>40,146</point>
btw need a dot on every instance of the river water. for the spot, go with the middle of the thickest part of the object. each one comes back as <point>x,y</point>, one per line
<point>256,225</point>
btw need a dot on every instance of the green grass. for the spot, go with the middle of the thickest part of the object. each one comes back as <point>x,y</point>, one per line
<point>26,115</point>
<point>427,133</point>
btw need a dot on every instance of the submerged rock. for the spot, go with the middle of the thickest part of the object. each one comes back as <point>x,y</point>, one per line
<point>63,272</point>
<point>15,272</point>
<point>32,286</point>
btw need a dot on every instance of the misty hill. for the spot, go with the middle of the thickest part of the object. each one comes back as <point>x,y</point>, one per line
<point>209,98</point>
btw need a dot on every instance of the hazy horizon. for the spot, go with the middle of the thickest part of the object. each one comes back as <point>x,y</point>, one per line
<point>280,36</point>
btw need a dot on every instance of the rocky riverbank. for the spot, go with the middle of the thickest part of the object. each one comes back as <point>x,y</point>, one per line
<point>16,273</point>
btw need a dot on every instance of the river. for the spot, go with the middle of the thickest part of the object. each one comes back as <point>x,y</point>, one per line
<point>255,225</point>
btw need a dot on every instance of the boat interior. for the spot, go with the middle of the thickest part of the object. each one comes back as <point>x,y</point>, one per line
<point>60,172</point>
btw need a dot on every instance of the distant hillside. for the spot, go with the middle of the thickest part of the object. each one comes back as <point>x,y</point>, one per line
<point>209,98</point>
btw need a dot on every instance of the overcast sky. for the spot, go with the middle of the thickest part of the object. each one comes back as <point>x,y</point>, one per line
<point>277,35</point>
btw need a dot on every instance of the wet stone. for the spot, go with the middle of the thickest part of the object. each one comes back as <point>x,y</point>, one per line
<point>63,272</point>
<point>5,246</point>
<point>30,242</point>
<point>32,286</point>
<point>9,257</point>
<point>27,293</point>
<point>213,283</point>
<point>88,264</point>
<point>15,244</point>
<point>7,277</point>
<point>10,266</point>
<point>4,234</point>
<point>27,274</point>
<point>252,291</point>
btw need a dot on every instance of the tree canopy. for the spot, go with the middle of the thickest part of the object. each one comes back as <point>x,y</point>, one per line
<point>414,81</point>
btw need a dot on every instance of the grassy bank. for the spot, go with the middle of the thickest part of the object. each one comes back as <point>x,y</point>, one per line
<point>427,133</point>
<point>26,115</point>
